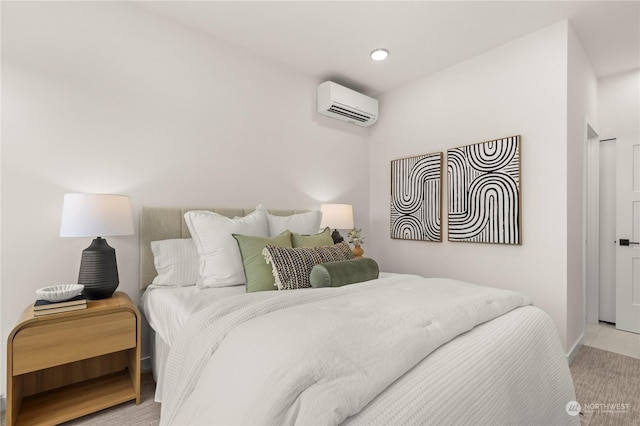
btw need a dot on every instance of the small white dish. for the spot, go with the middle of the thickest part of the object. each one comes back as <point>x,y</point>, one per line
<point>59,293</point>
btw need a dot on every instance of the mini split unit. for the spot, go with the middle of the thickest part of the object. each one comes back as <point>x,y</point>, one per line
<point>336,101</point>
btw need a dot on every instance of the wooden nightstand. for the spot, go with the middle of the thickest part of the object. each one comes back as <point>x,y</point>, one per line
<point>66,365</point>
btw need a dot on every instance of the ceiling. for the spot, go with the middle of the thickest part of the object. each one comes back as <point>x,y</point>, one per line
<point>332,39</point>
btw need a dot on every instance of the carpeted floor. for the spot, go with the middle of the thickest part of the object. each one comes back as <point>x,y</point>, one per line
<point>607,388</point>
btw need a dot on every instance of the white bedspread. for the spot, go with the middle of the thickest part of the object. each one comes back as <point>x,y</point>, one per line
<point>509,371</point>
<point>167,309</point>
<point>316,356</point>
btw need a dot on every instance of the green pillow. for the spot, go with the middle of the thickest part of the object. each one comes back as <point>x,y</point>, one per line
<point>257,273</point>
<point>316,240</point>
<point>337,274</point>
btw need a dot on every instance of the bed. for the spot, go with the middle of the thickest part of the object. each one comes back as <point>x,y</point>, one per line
<point>399,349</point>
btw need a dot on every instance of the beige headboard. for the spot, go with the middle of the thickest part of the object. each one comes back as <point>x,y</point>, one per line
<point>164,223</point>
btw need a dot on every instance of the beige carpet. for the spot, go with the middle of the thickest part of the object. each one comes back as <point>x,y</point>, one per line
<point>600,378</point>
<point>607,387</point>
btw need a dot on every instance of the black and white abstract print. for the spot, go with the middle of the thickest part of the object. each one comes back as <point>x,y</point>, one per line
<point>416,198</point>
<point>484,192</point>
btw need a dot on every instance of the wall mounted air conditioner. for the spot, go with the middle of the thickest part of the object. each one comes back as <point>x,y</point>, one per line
<point>336,101</point>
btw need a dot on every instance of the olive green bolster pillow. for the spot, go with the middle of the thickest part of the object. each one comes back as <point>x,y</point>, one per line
<point>343,272</point>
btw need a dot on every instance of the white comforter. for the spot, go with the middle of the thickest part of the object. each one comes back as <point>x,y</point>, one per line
<point>315,356</point>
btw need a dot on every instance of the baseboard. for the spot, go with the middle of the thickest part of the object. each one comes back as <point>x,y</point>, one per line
<point>575,349</point>
<point>145,364</point>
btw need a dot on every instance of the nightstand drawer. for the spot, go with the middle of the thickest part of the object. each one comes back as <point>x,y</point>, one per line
<point>49,345</point>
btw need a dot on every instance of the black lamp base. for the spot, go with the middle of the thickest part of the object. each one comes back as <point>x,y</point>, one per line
<point>337,238</point>
<point>98,270</point>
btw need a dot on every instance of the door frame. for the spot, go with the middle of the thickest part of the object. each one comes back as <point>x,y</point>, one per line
<point>591,221</point>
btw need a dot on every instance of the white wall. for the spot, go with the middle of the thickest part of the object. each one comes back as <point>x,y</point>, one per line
<point>582,110</point>
<point>619,105</point>
<point>519,88</point>
<point>105,97</point>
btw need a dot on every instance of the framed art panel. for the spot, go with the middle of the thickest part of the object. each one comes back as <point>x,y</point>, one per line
<point>416,207</point>
<point>484,192</point>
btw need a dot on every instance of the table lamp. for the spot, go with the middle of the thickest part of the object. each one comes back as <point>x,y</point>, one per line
<point>97,215</point>
<point>337,216</point>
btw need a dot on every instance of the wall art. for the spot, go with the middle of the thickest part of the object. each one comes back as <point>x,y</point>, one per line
<point>416,194</point>
<point>484,192</point>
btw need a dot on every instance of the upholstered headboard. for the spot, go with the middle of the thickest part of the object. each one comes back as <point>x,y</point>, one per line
<point>164,223</point>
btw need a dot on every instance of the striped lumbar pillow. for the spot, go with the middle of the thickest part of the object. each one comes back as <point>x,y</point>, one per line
<point>292,266</point>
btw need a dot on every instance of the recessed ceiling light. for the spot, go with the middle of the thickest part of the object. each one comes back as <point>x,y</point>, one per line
<point>379,54</point>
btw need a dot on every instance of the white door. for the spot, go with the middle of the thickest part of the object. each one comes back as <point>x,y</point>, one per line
<point>628,228</point>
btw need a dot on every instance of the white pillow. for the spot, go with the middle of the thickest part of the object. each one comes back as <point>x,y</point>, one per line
<point>176,262</point>
<point>302,223</point>
<point>220,263</point>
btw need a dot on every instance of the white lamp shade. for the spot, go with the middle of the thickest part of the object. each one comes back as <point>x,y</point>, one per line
<point>337,216</point>
<point>96,215</point>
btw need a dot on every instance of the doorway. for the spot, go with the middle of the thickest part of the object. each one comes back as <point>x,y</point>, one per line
<point>612,271</point>
<point>607,232</point>
<point>592,225</point>
<point>600,230</point>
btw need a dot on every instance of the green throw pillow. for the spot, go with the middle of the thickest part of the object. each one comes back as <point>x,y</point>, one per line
<point>343,272</point>
<point>316,240</point>
<point>257,273</point>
